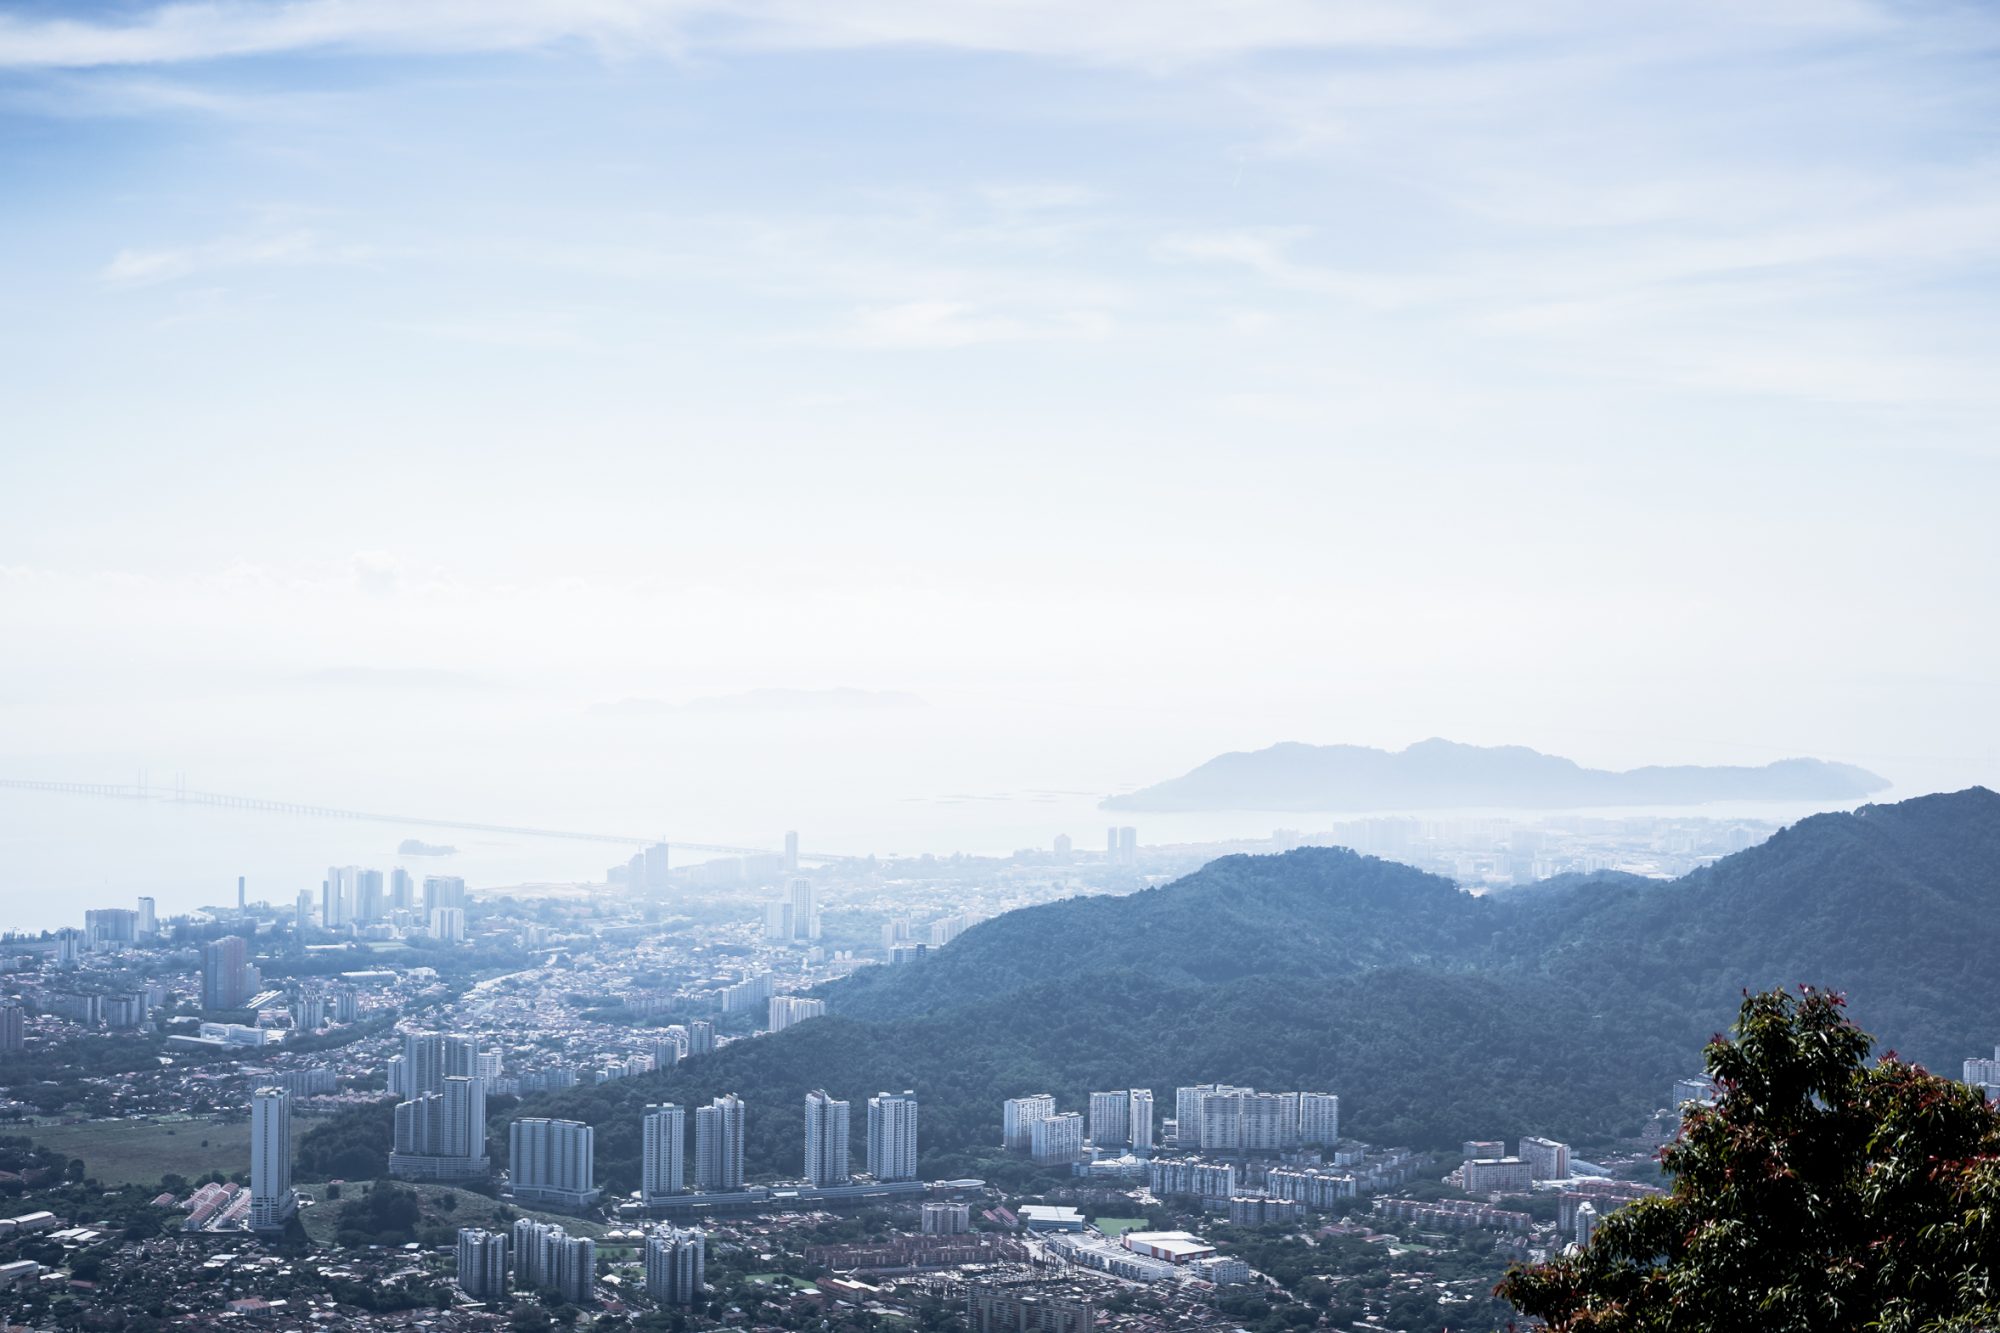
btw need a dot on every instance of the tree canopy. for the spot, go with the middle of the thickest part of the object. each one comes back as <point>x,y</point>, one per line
<point>1818,1193</point>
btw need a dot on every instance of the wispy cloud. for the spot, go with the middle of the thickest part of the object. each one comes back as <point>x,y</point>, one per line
<point>949,324</point>
<point>142,267</point>
<point>1158,32</point>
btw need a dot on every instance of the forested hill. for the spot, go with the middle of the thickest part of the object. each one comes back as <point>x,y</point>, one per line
<point>1436,1015</point>
<point>1317,911</point>
<point>1897,905</point>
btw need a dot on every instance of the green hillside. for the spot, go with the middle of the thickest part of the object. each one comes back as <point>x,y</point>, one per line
<point>1436,1015</point>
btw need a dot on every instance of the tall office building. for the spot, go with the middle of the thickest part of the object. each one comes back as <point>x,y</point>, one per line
<point>1128,846</point>
<point>805,910</point>
<point>1139,1119</point>
<point>826,1140</point>
<point>552,1161</point>
<point>676,1265</point>
<point>1018,1116</point>
<point>548,1258</point>
<point>545,1258</point>
<point>442,891</point>
<point>1546,1158</point>
<point>448,925</point>
<point>1319,1119</point>
<point>369,903</point>
<point>895,932</point>
<point>440,1125</point>
<point>662,1142</point>
<point>242,895</point>
<point>302,910</point>
<point>482,1263</point>
<point>789,1009</point>
<point>656,867</point>
<point>533,1251</point>
<point>1111,845</point>
<point>575,1269</point>
<point>308,1011</point>
<point>402,891</point>
<point>718,1145</point>
<point>431,1057</point>
<point>1063,849</point>
<point>13,1027</point>
<point>892,1136</point>
<point>1245,1120</point>
<point>149,921</point>
<point>1187,1111</point>
<point>1057,1139</point>
<point>226,975</point>
<point>464,1105</point>
<point>778,920</point>
<point>1586,1222</point>
<point>792,852</point>
<point>339,895</point>
<point>442,1135</point>
<point>701,1036</point>
<point>1109,1114</point>
<point>948,928</point>
<point>110,928</point>
<point>670,1047</point>
<point>272,1202</point>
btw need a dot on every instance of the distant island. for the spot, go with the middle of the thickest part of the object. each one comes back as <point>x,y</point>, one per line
<point>1440,774</point>
<point>416,847</point>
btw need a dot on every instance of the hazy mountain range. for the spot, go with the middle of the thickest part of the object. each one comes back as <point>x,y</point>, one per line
<point>1440,774</point>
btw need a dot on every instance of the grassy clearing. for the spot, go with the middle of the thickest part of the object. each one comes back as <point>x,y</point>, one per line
<point>139,1152</point>
<point>1118,1226</point>
<point>464,1209</point>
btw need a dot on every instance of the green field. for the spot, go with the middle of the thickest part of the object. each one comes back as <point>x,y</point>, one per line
<point>139,1152</point>
<point>466,1209</point>
<point>1118,1226</point>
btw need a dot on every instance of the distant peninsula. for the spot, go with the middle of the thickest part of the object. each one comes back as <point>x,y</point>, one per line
<point>1440,775</point>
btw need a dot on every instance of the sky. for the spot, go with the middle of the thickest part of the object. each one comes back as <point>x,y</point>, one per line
<point>720,416</point>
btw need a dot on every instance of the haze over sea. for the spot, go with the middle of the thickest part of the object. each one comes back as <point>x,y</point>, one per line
<point>61,853</point>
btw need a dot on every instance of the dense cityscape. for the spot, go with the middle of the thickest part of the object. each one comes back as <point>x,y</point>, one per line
<point>184,1092</point>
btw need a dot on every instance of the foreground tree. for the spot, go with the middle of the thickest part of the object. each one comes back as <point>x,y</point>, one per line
<point>1818,1194</point>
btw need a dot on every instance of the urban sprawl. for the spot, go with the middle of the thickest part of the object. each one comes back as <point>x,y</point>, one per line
<point>175,1087</point>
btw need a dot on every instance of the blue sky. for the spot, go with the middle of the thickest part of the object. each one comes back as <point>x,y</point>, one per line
<point>1163,377</point>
